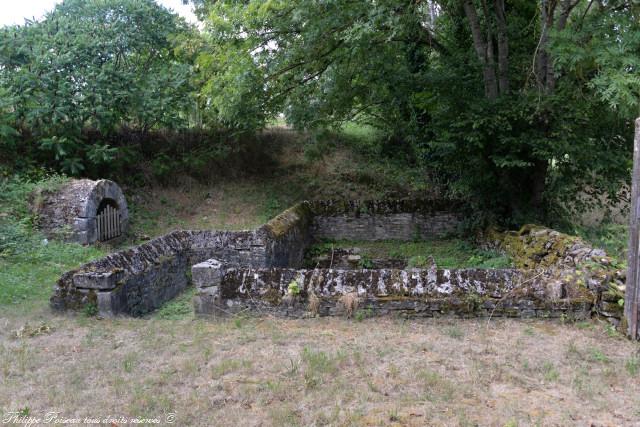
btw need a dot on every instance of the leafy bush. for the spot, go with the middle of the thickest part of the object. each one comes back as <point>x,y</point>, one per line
<point>14,238</point>
<point>90,65</point>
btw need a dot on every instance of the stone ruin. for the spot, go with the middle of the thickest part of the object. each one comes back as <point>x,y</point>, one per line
<point>82,211</point>
<point>260,271</point>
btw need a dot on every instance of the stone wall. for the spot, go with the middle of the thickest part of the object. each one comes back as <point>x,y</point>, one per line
<point>138,280</point>
<point>288,235</point>
<point>224,289</point>
<point>384,220</point>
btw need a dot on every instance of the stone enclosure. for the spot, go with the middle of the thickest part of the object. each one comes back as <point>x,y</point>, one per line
<point>260,271</point>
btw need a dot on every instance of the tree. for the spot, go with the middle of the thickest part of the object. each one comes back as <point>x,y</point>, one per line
<point>481,90</point>
<point>92,65</point>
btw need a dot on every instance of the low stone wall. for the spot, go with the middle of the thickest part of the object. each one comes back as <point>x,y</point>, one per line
<point>384,219</point>
<point>139,280</point>
<point>223,289</point>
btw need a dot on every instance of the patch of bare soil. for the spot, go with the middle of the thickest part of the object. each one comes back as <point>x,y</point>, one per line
<point>274,372</point>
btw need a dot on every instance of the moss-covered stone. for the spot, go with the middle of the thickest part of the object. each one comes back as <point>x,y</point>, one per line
<point>297,215</point>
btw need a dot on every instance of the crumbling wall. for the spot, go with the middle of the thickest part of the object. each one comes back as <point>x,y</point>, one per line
<point>224,289</point>
<point>384,219</point>
<point>556,275</point>
<point>288,236</point>
<point>568,260</point>
<point>138,280</point>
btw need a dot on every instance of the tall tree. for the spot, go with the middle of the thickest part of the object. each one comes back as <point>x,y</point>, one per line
<point>487,93</point>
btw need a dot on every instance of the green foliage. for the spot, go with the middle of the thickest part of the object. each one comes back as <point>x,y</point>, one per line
<point>601,50</point>
<point>363,314</point>
<point>89,65</point>
<point>90,310</point>
<point>16,221</point>
<point>415,79</point>
<point>612,237</point>
<point>401,81</point>
<point>365,262</point>
<point>293,288</point>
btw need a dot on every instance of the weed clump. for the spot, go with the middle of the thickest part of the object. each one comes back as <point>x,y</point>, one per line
<point>314,304</point>
<point>349,303</point>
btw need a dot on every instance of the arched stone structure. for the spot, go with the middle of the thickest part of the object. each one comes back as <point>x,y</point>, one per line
<point>75,211</point>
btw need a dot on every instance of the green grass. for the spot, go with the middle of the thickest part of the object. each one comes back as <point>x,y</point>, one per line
<point>31,275</point>
<point>178,308</point>
<point>632,365</point>
<point>318,366</point>
<point>447,253</point>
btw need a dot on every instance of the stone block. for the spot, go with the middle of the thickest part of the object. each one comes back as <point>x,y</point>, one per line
<point>207,273</point>
<point>97,280</point>
<point>108,303</point>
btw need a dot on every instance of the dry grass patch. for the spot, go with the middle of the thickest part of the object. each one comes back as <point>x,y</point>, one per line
<point>324,371</point>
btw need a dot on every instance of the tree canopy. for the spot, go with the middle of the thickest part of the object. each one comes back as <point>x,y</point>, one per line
<point>92,65</point>
<point>514,104</point>
<point>512,101</point>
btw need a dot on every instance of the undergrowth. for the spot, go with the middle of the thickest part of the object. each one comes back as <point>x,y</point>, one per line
<point>613,238</point>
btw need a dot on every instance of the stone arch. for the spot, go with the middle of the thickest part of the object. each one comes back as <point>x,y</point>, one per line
<point>70,211</point>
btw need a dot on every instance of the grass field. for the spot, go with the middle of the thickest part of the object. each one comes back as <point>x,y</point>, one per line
<point>446,252</point>
<point>321,372</point>
<point>276,372</point>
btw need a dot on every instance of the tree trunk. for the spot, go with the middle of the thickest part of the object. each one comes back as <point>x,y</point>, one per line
<point>543,70</point>
<point>503,47</point>
<point>538,185</point>
<point>632,292</point>
<point>484,51</point>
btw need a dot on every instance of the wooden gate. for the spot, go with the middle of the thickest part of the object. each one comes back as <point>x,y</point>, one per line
<point>108,223</point>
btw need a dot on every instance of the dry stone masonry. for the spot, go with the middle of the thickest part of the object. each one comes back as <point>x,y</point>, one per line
<point>566,260</point>
<point>384,219</point>
<point>225,289</point>
<point>260,271</point>
<point>72,211</point>
<point>138,280</point>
